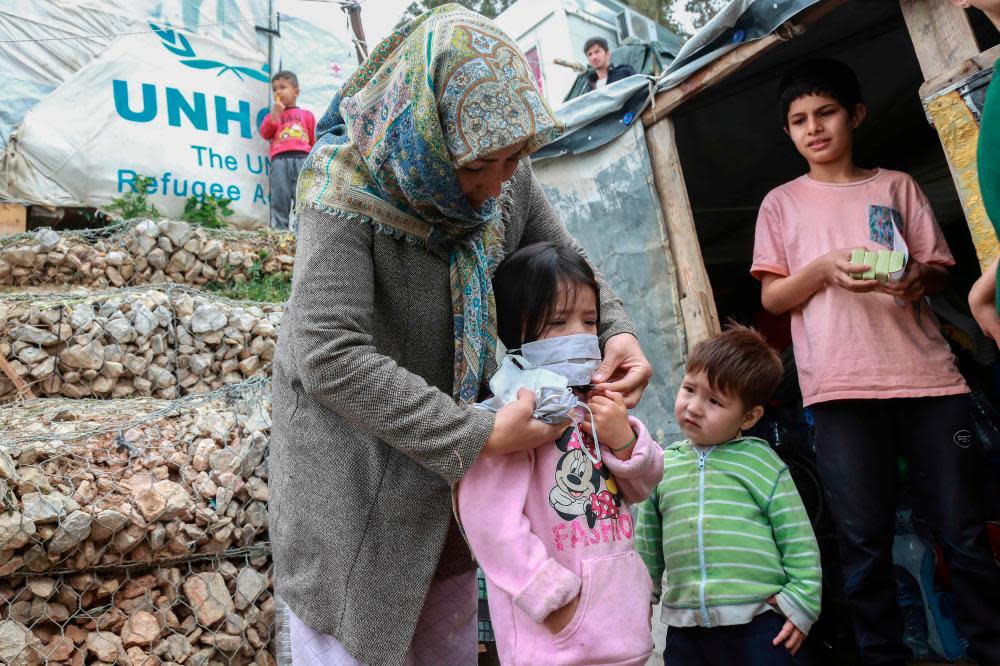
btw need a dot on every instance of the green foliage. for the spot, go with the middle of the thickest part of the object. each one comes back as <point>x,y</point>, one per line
<point>488,8</point>
<point>207,211</point>
<point>258,285</point>
<point>669,12</point>
<point>134,204</point>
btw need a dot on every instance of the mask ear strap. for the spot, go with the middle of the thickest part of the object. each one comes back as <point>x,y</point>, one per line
<point>596,458</point>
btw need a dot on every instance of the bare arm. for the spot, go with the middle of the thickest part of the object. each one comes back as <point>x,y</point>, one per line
<point>982,302</point>
<point>779,294</point>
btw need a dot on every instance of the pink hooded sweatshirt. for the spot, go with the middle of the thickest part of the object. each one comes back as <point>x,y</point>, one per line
<point>548,524</point>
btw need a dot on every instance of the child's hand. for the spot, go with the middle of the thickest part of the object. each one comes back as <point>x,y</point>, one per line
<point>611,418</point>
<point>790,635</point>
<point>278,107</point>
<point>838,271</point>
<point>560,618</point>
<point>911,286</point>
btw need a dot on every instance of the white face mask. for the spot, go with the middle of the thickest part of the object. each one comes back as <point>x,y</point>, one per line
<point>548,371</point>
<point>575,357</point>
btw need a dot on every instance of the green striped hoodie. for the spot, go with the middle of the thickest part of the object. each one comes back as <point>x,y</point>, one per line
<point>728,528</point>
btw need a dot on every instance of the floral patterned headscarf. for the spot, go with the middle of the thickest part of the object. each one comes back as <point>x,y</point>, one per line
<point>446,89</point>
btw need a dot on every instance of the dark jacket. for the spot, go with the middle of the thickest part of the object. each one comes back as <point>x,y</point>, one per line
<point>367,441</point>
<point>615,73</point>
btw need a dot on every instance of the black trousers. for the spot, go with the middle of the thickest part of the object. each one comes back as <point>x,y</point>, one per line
<point>737,645</point>
<point>857,445</point>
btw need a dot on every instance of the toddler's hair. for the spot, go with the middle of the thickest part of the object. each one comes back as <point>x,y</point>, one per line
<point>526,288</point>
<point>739,362</point>
<point>288,76</point>
<point>819,76</point>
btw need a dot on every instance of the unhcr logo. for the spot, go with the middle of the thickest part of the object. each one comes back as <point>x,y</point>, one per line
<point>178,44</point>
<point>199,110</point>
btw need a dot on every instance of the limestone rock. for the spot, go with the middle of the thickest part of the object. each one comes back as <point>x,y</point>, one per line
<point>18,646</point>
<point>107,647</point>
<point>142,628</point>
<point>72,530</point>
<point>208,596</point>
<point>164,500</point>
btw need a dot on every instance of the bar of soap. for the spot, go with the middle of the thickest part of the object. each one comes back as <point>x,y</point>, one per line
<point>896,261</point>
<point>858,259</point>
<point>882,266</point>
<point>871,259</point>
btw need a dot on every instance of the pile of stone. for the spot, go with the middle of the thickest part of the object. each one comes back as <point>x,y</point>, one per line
<point>140,536</point>
<point>161,342</point>
<point>147,252</point>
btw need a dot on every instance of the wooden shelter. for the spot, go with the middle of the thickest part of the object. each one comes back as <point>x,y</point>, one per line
<point>716,145</point>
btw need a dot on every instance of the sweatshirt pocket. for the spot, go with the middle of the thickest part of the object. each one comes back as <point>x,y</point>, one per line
<point>611,624</point>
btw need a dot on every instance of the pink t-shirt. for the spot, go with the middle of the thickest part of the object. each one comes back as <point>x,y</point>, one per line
<point>851,345</point>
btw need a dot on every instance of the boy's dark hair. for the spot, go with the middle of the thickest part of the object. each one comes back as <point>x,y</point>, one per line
<point>819,76</point>
<point>526,288</point>
<point>739,362</point>
<point>595,41</point>
<point>288,76</point>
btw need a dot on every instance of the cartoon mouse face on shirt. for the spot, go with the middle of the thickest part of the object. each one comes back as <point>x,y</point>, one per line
<point>576,480</point>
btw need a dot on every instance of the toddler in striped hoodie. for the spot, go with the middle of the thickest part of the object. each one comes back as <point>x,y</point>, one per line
<point>726,525</point>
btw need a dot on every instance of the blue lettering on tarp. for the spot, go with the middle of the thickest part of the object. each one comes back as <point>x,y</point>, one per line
<point>193,107</point>
<point>196,114</point>
<point>223,116</point>
<point>263,164</point>
<point>148,111</point>
<point>166,184</point>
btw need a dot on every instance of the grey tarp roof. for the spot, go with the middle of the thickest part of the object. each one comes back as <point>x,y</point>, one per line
<point>598,117</point>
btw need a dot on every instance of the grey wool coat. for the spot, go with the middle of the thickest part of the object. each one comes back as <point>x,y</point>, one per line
<point>366,439</point>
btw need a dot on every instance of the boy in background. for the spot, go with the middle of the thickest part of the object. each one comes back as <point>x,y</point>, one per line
<point>873,366</point>
<point>292,133</point>
<point>726,523</point>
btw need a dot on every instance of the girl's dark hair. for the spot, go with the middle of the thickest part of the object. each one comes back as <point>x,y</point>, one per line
<point>526,287</point>
<point>819,76</point>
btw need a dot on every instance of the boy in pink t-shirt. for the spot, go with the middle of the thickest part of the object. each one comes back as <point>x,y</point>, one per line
<point>292,133</point>
<point>873,366</point>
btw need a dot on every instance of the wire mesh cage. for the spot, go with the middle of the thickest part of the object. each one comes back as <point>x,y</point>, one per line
<point>142,252</point>
<point>135,531</point>
<point>164,342</point>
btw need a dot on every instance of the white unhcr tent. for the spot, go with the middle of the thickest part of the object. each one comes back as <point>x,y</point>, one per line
<point>100,92</point>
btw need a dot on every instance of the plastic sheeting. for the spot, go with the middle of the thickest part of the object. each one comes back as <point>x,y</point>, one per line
<point>608,200</point>
<point>597,117</point>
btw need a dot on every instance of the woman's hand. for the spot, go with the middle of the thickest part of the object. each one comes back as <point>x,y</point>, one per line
<point>625,369</point>
<point>611,417</point>
<point>560,618</point>
<point>514,429</point>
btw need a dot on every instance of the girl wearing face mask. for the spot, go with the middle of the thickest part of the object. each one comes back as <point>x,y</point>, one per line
<point>551,526</point>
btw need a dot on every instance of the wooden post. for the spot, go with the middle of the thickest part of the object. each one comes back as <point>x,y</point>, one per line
<point>948,53</point>
<point>941,34</point>
<point>959,134</point>
<point>13,219</point>
<point>701,319</point>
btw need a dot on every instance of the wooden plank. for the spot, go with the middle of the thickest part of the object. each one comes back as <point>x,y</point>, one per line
<point>956,76</point>
<point>718,70</point>
<point>941,34</point>
<point>668,100</point>
<point>22,389</point>
<point>959,134</point>
<point>701,319</point>
<point>13,219</point>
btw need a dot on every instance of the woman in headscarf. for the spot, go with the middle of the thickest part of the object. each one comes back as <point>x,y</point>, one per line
<point>418,186</point>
